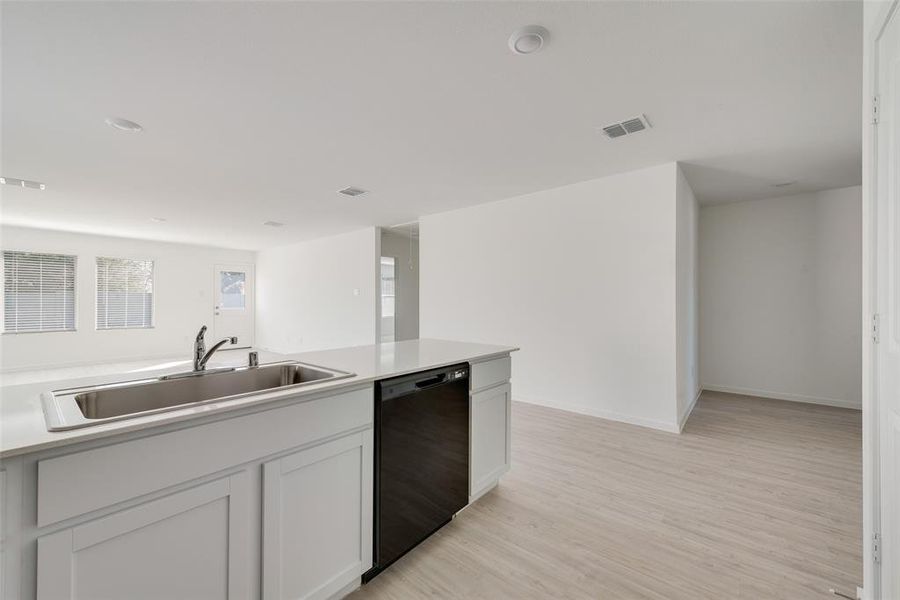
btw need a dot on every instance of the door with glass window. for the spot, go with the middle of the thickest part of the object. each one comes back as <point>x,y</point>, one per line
<point>233,314</point>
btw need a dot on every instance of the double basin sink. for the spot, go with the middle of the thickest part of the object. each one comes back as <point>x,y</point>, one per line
<point>82,407</point>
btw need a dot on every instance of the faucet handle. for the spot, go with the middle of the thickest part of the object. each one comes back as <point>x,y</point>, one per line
<point>253,359</point>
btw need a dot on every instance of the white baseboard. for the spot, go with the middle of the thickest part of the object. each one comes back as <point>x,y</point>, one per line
<point>605,414</point>
<point>481,492</point>
<point>348,589</point>
<point>713,387</point>
<point>690,409</point>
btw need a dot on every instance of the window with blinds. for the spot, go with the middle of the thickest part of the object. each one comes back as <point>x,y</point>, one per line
<point>124,293</point>
<point>38,292</point>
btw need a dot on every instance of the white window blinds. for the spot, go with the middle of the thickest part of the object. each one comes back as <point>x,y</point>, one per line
<point>124,293</point>
<point>38,292</point>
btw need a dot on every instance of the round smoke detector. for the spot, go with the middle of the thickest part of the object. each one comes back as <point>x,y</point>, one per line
<point>528,40</point>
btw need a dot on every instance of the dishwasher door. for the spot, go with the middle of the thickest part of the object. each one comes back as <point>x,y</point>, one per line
<point>421,458</point>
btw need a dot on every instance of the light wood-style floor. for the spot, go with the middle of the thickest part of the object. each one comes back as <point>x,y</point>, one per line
<point>755,499</point>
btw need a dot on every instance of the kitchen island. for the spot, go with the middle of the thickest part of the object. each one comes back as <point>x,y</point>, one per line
<point>263,496</point>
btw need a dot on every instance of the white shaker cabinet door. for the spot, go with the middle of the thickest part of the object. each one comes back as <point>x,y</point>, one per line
<point>317,519</point>
<point>193,544</point>
<point>490,438</point>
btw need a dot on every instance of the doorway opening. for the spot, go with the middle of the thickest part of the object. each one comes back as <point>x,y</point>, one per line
<point>398,300</point>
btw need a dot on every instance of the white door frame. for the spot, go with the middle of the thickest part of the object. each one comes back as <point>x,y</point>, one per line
<point>377,285</point>
<point>872,571</point>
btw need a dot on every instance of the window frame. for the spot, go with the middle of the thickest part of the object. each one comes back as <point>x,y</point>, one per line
<point>153,262</point>
<point>217,289</point>
<point>75,257</point>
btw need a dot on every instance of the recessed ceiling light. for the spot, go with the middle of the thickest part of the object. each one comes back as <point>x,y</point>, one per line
<point>273,224</point>
<point>123,124</point>
<point>34,185</point>
<point>158,219</point>
<point>528,40</point>
<point>352,191</point>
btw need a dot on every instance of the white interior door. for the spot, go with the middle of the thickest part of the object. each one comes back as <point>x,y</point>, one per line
<point>233,314</point>
<point>887,282</point>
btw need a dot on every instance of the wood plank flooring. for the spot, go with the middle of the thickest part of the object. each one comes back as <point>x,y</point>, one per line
<point>757,498</point>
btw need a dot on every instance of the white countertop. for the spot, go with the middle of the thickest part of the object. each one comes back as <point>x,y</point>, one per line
<point>22,426</point>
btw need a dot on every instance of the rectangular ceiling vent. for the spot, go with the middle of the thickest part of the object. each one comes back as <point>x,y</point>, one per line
<point>614,131</point>
<point>352,191</point>
<point>626,127</point>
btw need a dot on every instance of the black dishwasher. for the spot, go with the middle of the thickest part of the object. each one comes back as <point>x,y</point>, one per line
<point>421,458</point>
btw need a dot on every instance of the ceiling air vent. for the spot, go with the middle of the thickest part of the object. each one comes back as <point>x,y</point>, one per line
<point>352,191</point>
<point>634,125</point>
<point>614,131</point>
<point>626,127</point>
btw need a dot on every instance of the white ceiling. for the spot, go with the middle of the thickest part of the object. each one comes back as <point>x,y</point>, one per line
<point>259,111</point>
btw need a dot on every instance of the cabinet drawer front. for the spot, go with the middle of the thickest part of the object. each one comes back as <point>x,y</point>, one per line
<point>491,372</point>
<point>76,484</point>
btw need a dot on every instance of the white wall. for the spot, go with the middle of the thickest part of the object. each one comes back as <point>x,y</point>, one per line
<point>182,289</point>
<point>686,300</point>
<point>406,301</point>
<point>581,277</point>
<point>780,300</point>
<point>318,294</point>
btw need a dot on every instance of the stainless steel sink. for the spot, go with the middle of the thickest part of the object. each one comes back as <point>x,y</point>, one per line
<point>83,407</point>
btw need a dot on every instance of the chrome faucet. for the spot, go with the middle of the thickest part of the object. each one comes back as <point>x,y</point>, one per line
<point>201,356</point>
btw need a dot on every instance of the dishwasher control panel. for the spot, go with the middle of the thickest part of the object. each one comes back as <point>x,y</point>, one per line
<point>459,374</point>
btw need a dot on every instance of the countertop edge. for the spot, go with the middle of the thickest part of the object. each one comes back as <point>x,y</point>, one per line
<point>256,401</point>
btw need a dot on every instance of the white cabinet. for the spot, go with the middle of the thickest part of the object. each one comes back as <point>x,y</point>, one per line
<point>490,441</point>
<point>317,519</point>
<point>193,544</point>
<point>4,576</point>
<point>275,502</point>
<point>76,483</point>
<point>489,430</point>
